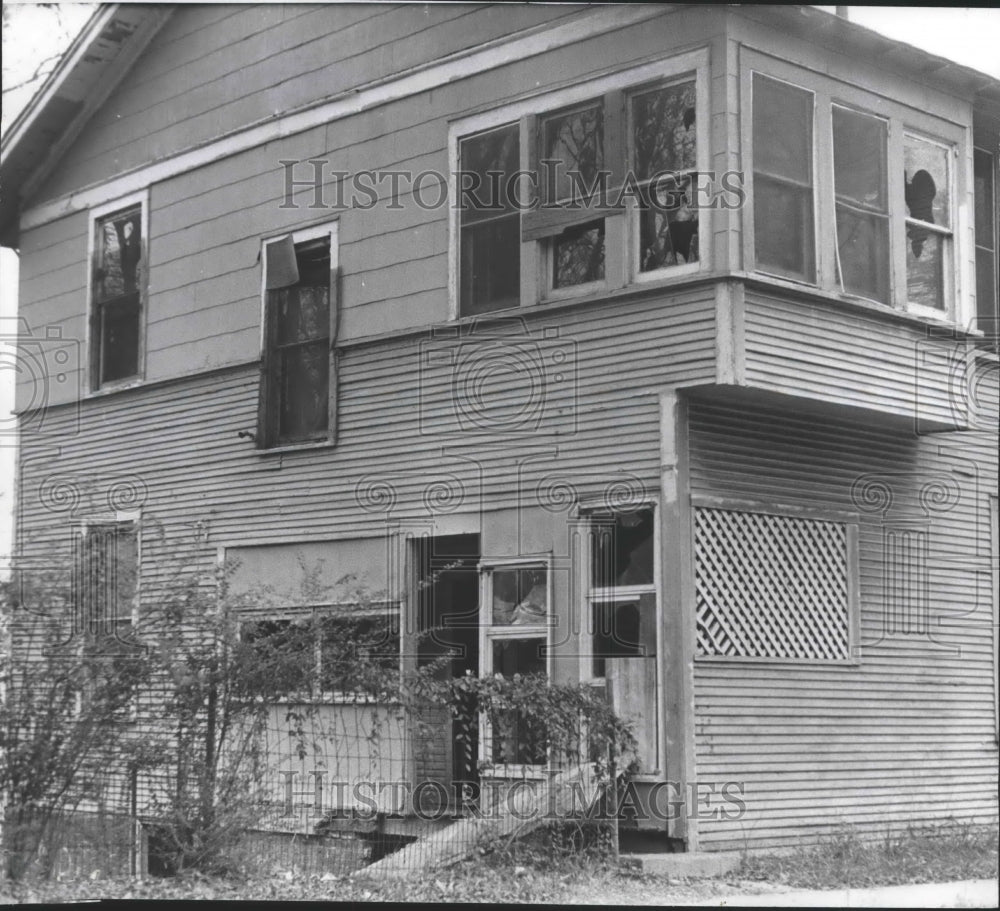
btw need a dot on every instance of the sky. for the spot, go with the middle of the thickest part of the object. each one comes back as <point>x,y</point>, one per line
<point>970,36</point>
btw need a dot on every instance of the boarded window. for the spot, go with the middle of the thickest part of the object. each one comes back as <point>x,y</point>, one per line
<point>299,315</point>
<point>784,241</point>
<point>491,228</point>
<point>987,266</point>
<point>116,316</point>
<point>771,586</point>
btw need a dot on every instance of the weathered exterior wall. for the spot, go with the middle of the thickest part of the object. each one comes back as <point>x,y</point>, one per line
<point>907,733</point>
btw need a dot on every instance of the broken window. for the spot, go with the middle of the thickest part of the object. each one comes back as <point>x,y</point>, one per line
<point>784,241</point>
<point>926,176</point>
<point>297,363</point>
<point>516,619</point>
<point>613,181</point>
<point>987,267</point>
<point>862,211</point>
<point>490,222</point>
<point>664,158</point>
<point>116,296</point>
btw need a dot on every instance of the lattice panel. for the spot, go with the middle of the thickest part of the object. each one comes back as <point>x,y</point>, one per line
<point>771,586</point>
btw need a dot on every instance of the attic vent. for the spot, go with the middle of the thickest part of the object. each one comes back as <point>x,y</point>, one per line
<point>771,586</point>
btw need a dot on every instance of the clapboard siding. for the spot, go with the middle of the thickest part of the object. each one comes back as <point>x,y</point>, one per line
<point>906,735</point>
<point>397,424</point>
<point>205,226</point>
<point>833,354</point>
<point>278,59</point>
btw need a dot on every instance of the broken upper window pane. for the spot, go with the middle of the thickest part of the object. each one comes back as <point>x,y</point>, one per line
<point>572,151</point>
<point>859,164</point>
<point>578,255</point>
<point>520,597</point>
<point>119,250</point>
<point>926,180</point>
<point>622,549</point>
<point>491,228</point>
<point>663,130</point>
<point>782,179</point>
<point>668,226</point>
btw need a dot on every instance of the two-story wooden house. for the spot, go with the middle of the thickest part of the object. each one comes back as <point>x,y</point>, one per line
<point>306,284</point>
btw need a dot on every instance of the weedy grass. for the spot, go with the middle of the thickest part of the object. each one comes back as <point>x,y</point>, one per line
<point>948,852</point>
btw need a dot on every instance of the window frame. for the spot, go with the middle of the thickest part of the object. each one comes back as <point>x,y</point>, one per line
<point>901,119</point>
<point>490,633</point>
<point>131,519</point>
<point>535,263</point>
<point>93,335</point>
<point>267,431</point>
<point>316,613</point>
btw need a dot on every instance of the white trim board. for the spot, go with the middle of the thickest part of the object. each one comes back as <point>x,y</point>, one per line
<point>420,79</point>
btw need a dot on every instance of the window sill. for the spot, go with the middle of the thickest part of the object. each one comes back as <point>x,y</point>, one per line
<point>111,388</point>
<point>295,447</point>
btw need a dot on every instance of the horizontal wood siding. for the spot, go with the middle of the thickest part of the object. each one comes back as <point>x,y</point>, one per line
<point>905,735</point>
<point>205,227</point>
<point>835,354</point>
<point>213,69</point>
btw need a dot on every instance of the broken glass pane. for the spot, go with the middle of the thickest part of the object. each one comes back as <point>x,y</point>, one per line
<point>925,271</point>
<point>925,167</point>
<point>572,151</point>
<point>120,339</point>
<point>668,226</point>
<point>119,250</point>
<point>663,130</point>
<point>622,551</point>
<point>578,255</point>
<point>520,597</point>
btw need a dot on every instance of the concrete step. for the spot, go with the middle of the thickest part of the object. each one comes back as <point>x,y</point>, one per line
<point>681,865</point>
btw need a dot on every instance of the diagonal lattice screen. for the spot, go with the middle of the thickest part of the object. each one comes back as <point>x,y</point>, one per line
<point>771,586</point>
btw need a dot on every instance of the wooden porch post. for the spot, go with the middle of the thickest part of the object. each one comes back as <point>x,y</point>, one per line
<point>677,652</point>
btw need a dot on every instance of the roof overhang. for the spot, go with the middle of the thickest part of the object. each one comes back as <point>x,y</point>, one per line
<point>93,65</point>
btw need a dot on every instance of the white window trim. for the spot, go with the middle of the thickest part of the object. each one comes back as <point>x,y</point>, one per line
<point>299,236</point>
<point>624,593</point>
<point>668,67</point>
<point>93,386</point>
<point>951,279</point>
<point>748,222</point>
<point>488,634</point>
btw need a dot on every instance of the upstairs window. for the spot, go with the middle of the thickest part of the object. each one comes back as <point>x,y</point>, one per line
<point>927,178</point>
<point>862,204</point>
<point>117,295</point>
<point>589,189</point>
<point>490,226</point>
<point>876,188</point>
<point>987,265</point>
<point>783,179</point>
<point>298,370</point>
